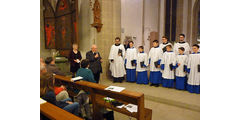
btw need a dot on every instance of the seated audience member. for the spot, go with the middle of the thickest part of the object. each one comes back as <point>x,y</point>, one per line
<point>51,67</point>
<point>42,66</point>
<point>85,72</point>
<point>42,61</point>
<point>61,93</point>
<point>47,93</point>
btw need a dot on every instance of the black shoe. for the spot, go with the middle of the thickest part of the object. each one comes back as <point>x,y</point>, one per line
<point>151,84</point>
<point>157,85</point>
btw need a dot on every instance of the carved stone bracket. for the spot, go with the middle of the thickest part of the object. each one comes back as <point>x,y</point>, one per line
<point>98,26</point>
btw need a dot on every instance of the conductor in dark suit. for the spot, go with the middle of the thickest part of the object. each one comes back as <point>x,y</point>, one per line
<point>95,62</point>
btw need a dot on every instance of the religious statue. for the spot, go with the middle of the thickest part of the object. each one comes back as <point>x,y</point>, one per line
<point>97,16</point>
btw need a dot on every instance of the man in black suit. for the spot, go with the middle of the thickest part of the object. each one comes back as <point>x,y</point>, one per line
<point>95,62</point>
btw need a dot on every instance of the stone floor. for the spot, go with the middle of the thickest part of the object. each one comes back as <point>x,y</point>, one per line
<point>166,103</point>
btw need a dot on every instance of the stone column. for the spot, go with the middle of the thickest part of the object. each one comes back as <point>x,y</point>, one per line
<point>111,16</point>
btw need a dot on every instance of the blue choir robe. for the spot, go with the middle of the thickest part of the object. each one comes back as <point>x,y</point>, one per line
<point>155,74</point>
<point>168,74</point>
<point>181,75</point>
<point>142,77</point>
<point>131,57</point>
<point>193,83</point>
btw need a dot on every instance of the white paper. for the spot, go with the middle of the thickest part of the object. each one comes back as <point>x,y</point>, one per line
<point>121,106</point>
<point>78,61</point>
<point>131,108</point>
<point>42,101</point>
<point>115,88</point>
<point>76,78</point>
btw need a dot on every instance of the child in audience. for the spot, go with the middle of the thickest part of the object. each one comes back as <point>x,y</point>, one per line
<point>181,68</point>
<point>142,63</point>
<point>168,65</point>
<point>130,62</point>
<point>154,63</point>
<point>193,68</point>
<point>47,93</point>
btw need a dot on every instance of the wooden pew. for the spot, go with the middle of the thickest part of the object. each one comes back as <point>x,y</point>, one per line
<point>98,92</point>
<point>55,113</point>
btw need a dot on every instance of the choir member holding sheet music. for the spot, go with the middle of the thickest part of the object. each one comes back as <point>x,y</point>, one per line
<point>154,63</point>
<point>181,76</point>
<point>168,65</point>
<point>116,59</point>
<point>193,68</point>
<point>130,62</point>
<point>142,63</point>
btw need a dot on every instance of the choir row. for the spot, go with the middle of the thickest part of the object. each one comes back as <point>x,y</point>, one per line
<point>165,63</point>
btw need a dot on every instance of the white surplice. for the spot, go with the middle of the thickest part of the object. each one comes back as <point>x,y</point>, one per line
<point>185,45</point>
<point>194,75</point>
<point>131,54</point>
<point>154,55</point>
<point>182,60</point>
<point>117,67</point>
<point>167,59</point>
<point>142,57</point>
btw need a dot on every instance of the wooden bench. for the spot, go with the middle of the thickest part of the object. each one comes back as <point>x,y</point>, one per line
<point>98,92</point>
<point>55,113</point>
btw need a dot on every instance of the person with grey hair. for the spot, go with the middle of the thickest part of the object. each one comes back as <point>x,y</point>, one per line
<point>95,61</point>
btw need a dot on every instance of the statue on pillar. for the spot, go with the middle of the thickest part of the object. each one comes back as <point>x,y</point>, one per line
<point>97,16</point>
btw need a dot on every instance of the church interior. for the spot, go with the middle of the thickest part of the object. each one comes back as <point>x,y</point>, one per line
<point>99,22</point>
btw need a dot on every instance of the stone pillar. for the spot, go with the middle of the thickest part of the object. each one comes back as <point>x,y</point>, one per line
<point>179,19</point>
<point>110,12</point>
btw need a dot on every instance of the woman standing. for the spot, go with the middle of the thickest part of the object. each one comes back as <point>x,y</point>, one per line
<point>74,58</point>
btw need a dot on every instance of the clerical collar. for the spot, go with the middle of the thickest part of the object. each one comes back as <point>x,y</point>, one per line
<point>180,54</point>
<point>156,47</point>
<point>142,52</point>
<point>131,47</point>
<point>181,42</point>
<point>165,43</point>
<point>195,53</point>
<point>117,44</point>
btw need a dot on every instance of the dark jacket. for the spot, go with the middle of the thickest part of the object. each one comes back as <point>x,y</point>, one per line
<point>51,98</point>
<point>95,63</point>
<point>52,68</point>
<point>73,65</point>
